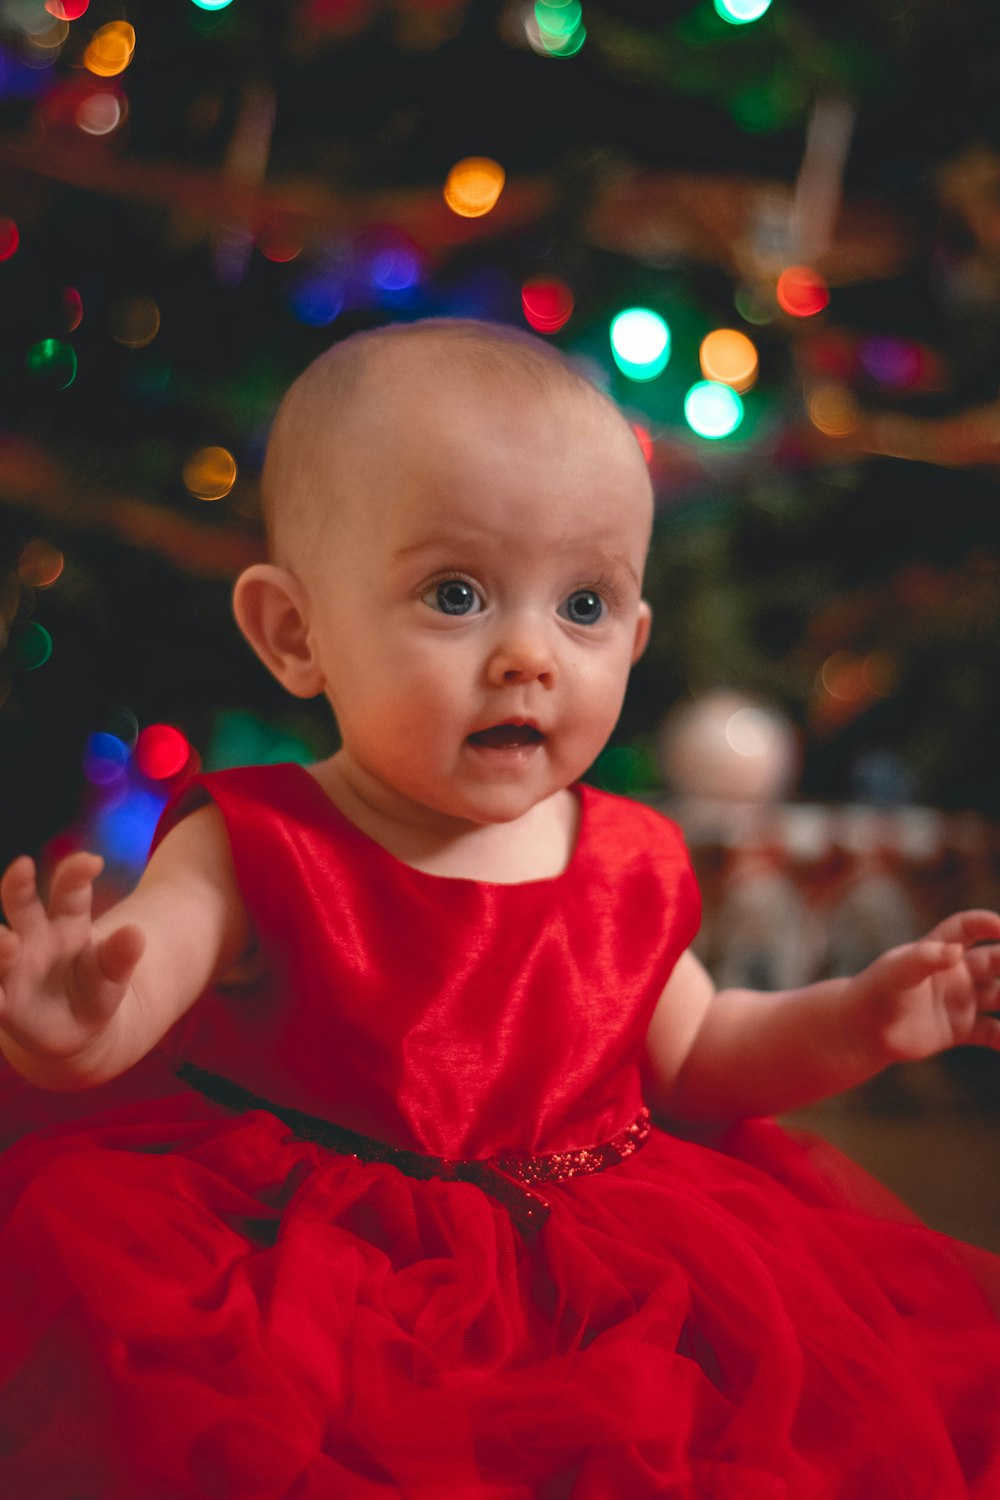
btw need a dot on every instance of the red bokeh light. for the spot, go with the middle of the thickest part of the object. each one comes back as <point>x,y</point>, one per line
<point>73,305</point>
<point>162,751</point>
<point>644,440</point>
<point>10,238</point>
<point>802,292</point>
<point>548,305</point>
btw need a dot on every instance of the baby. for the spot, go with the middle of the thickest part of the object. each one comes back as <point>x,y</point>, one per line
<point>458,523</point>
<point>427,1234</point>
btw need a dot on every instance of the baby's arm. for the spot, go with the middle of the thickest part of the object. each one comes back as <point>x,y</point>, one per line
<point>719,1056</point>
<point>82,1000</point>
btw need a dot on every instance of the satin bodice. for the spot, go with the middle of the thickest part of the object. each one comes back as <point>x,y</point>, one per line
<point>440,1014</point>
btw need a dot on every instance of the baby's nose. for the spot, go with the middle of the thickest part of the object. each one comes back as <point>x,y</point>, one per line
<point>523,655</point>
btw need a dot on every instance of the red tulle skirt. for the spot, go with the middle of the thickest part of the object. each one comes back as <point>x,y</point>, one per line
<point>197,1304</point>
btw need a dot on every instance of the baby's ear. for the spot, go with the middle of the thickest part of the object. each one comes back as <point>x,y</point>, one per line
<point>643,621</point>
<point>272,610</point>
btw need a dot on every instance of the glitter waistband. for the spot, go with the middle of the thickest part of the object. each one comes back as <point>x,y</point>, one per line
<point>509,1176</point>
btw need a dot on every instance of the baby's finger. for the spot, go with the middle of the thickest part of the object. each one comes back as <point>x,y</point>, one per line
<point>10,945</point>
<point>101,973</point>
<point>985,1033</point>
<point>22,905</point>
<point>903,967</point>
<point>984,963</point>
<point>119,953</point>
<point>72,891</point>
<point>977,926</point>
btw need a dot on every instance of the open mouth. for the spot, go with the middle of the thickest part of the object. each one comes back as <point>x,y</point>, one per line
<point>507,737</point>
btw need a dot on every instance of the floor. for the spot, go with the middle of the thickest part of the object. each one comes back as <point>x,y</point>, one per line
<point>930,1132</point>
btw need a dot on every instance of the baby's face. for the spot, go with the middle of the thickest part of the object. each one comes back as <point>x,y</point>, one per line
<point>475,604</point>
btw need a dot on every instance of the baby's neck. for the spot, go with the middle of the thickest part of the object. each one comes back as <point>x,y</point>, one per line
<point>536,846</point>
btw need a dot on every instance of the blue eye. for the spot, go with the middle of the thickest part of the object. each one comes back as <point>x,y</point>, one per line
<point>583,607</point>
<point>453,596</point>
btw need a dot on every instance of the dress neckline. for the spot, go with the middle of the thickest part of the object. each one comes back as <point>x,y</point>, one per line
<point>579,790</point>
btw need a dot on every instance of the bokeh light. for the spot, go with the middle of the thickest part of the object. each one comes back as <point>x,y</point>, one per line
<point>40,564</point>
<point>554,28</point>
<point>212,4</point>
<point>73,304</point>
<point>110,49</point>
<point>640,343</point>
<point>210,473</point>
<point>105,759</point>
<point>10,238</point>
<point>753,306</point>
<point>123,831</point>
<point>162,751</point>
<point>49,38</point>
<point>134,321</point>
<point>802,292</point>
<point>52,362</point>
<point>741,12</point>
<point>894,362</point>
<point>547,304</point>
<point>31,646</point>
<point>394,269</point>
<point>67,10</point>
<point>317,300</point>
<point>280,243</point>
<point>712,410</point>
<point>645,441</point>
<point>473,186</point>
<point>730,357</point>
<point>558,18</point>
<point>99,113</point>
<point>832,409</point>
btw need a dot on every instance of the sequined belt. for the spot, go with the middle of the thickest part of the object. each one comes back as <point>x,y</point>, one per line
<point>509,1176</point>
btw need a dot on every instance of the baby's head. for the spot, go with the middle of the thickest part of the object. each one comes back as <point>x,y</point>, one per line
<point>458,523</point>
<point>354,401</point>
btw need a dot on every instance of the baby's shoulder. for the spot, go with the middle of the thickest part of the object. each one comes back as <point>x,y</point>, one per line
<point>640,821</point>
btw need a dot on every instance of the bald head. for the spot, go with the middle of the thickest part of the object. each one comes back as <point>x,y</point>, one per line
<point>344,404</point>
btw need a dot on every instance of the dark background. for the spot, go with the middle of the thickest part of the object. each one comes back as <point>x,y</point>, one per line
<point>657,165</point>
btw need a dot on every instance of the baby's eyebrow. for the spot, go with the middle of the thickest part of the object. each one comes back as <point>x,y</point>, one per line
<point>458,541</point>
<point>623,562</point>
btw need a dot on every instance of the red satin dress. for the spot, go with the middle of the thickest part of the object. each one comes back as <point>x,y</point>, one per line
<point>196,1301</point>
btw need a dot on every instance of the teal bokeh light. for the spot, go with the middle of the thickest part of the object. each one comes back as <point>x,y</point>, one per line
<point>712,410</point>
<point>741,12</point>
<point>640,343</point>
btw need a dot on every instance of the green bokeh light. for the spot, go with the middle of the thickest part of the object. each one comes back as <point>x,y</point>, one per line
<point>640,343</point>
<point>712,410</point>
<point>31,646</point>
<point>52,362</point>
<point>558,21</point>
<point>211,4</point>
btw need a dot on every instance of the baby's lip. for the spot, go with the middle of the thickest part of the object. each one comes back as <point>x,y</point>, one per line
<point>508,733</point>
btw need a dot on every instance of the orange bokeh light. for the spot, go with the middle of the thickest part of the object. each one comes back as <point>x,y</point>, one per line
<point>729,356</point>
<point>473,186</point>
<point>210,473</point>
<point>110,49</point>
<point>40,564</point>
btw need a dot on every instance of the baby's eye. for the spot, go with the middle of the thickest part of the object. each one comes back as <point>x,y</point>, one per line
<point>583,607</point>
<point>453,596</point>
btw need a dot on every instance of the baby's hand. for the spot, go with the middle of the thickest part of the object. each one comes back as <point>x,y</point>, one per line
<point>934,994</point>
<point>59,985</point>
